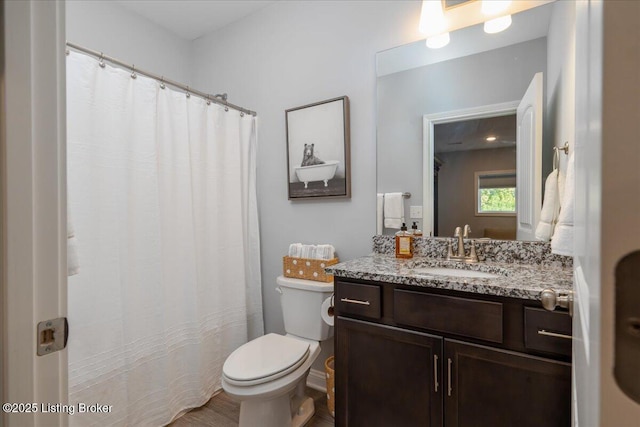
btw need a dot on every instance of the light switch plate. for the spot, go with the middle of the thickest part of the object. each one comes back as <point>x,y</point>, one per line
<point>415,212</point>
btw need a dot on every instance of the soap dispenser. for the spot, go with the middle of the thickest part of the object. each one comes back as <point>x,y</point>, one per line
<point>415,231</point>
<point>404,243</point>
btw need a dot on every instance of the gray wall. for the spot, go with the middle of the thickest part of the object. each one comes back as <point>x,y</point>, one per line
<point>291,54</point>
<point>106,26</point>
<point>456,189</point>
<point>560,107</point>
<point>492,77</point>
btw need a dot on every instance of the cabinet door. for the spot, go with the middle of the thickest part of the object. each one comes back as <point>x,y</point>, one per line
<point>386,376</point>
<point>486,387</point>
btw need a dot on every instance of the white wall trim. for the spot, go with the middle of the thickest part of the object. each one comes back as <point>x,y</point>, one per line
<point>34,217</point>
<point>317,380</point>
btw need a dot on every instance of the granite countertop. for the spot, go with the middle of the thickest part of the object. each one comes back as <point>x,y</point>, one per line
<point>524,281</point>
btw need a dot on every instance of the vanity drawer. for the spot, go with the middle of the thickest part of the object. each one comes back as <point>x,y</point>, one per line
<point>548,331</point>
<point>460,316</point>
<point>358,299</point>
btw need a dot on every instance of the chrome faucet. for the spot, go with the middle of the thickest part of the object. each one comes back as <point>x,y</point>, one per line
<point>460,255</point>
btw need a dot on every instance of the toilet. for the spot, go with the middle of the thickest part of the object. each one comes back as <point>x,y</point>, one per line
<point>268,375</point>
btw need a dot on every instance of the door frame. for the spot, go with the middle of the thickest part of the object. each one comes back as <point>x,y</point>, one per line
<point>428,123</point>
<point>34,206</point>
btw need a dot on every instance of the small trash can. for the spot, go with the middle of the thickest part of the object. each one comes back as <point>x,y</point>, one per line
<point>331,388</point>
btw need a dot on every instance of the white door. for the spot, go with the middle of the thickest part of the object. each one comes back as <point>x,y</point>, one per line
<point>607,215</point>
<point>34,245</point>
<point>529,159</point>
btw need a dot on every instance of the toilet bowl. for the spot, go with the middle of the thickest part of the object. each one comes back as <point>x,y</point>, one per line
<point>268,374</point>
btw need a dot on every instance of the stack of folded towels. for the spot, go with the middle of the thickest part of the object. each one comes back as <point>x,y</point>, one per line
<point>298,250</point>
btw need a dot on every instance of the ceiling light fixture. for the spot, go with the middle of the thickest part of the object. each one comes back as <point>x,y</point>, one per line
<point>433,24</point>
<point>498,24</point>
<point>491,138</point>
<point>493,8</point>
<point>436,42</point>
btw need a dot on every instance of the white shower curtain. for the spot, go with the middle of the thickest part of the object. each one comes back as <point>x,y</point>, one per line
<point>163,199</point>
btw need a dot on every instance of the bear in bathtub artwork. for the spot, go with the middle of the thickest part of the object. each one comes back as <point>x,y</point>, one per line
<point>308,158</point>
<point>313,169</point>
<point>318,150</point>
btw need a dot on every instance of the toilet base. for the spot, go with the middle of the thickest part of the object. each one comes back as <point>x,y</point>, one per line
<point>276,412</point>
<point>304,413</point>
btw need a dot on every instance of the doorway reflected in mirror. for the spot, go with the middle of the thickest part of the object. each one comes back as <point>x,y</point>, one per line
<point>468,155</point>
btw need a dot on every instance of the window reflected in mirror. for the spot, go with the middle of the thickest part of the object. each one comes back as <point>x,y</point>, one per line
<point>495,193</point>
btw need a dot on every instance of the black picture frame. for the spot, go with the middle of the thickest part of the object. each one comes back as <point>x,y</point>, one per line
<point>318,150</point>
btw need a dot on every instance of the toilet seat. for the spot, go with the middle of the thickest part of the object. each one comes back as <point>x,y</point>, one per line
<point>265,359</point>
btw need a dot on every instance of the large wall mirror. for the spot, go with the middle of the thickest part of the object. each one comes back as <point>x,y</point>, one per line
<point>467,130</point>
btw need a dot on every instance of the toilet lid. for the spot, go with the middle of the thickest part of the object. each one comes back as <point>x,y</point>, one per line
<point>265,358</point>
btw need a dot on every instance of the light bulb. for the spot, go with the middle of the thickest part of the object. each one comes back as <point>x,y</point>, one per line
<point>432,20</point>
<point>496,25</point>
<point>491,138</point>
<point>436,42</point>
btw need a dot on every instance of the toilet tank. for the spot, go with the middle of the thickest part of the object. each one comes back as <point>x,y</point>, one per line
<point>301,305</point>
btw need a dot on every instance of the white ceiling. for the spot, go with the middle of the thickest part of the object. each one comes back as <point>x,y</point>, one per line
<point>191,19</point>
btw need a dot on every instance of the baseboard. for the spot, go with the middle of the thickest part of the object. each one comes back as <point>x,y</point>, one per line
<point>317,380</point>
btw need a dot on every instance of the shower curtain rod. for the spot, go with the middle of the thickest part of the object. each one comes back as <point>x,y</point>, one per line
<point>218,99</point>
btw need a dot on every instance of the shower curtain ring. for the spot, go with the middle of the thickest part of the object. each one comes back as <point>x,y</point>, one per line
<point>133,72</point>
<point>67,52</point>
<point>208,100</point>
<point>226,108</point>
<point>188,94</point>
<point>101,60</point>
<point>162,85</point>
<point>241,113</point>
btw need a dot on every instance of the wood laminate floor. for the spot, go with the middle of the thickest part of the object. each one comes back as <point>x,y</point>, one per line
<point>222,411</point>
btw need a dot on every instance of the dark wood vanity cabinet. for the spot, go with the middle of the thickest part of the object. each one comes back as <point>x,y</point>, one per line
<point>389,375</point>
<point>427,357</point>
<point>490,387</point>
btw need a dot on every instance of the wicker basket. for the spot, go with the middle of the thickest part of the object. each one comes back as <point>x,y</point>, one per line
<point>329,367</point>
<point>306,268</point>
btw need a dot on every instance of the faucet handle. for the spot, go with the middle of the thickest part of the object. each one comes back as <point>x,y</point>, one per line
<point>467,231</point>
<point>473,255</point>
<point>457,232</point>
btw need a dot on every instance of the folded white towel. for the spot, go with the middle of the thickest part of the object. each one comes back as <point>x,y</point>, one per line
<point>325,252</point>
<point>379,213</point>
<point>298,250</point>
<point>550,208</point>
<point>393,210</point>
<point>562,240</point>
<point>294,250</point>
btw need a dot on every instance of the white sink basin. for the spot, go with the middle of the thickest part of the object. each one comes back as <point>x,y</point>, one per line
<point>455,272</point>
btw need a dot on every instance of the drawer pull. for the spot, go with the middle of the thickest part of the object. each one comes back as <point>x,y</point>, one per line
<point>449,376</point>
<point>435,371</point>
<point>355,301</point>
<point>553,334</point>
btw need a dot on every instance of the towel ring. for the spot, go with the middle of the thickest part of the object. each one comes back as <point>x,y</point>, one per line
<point>556,154</point>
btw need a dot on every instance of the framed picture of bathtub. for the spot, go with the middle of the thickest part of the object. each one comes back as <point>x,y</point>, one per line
<point>318,156</point>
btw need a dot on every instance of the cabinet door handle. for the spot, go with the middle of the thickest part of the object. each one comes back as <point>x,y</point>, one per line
<point>355,301</point>
<point>553,334</point>
<point>435,372</point>
<point>449,375</point>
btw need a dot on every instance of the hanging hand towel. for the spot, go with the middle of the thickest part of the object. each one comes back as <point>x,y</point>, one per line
<point>550,208</point>
<point>562,240</point>
<point>379,213</point>
<point>393,210</point>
